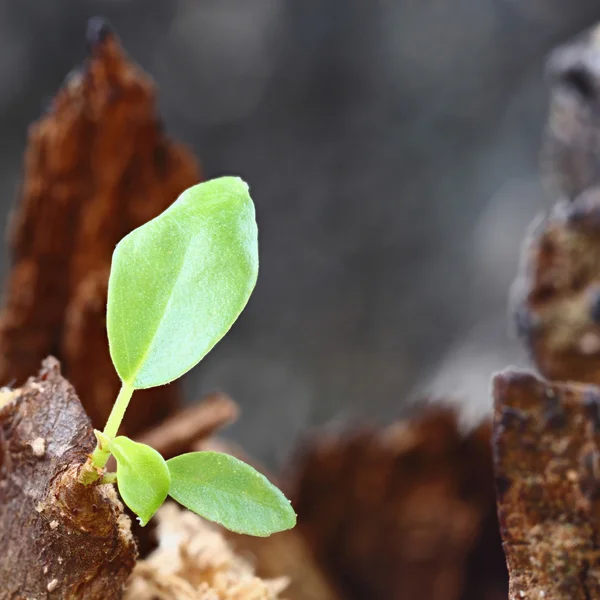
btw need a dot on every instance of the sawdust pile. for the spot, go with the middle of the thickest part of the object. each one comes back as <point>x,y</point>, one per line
<point>194,562</point>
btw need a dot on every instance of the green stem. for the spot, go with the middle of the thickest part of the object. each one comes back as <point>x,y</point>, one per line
<point>118,411</point>
<point>109,478</point>
<point>100,454</point>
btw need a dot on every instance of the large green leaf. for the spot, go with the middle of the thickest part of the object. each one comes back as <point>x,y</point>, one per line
<point>225,490</point>
<point>142,476</point>
<point>180,281</point>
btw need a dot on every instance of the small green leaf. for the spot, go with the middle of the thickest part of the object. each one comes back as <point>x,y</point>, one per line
<point>179,282</point>
<point>225,490</point>
<point>142,476</point>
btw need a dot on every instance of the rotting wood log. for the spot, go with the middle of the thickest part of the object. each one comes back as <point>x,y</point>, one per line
<point>547,470</point>
<point>403,512</point>
<point>546,435</point>
<point>97,165</point>
<point>60,539</point>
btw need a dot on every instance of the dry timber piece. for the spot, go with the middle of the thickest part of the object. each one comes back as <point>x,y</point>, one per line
<point>97,165</point>
<point>60,539</point>
<point>404,512</point>
<point>547,470</point>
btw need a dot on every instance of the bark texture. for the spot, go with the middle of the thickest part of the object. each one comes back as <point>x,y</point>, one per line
<point>546,435</point>
<point>406,512</point>
<point>547,464</point>
<point>60,539</point>
<point>557,293</point>
<point>97,165</point>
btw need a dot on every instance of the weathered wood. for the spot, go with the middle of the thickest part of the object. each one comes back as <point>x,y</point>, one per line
<point>404,512</point>
<point>60,539</point>
<point>97,165</point>
<point>546,435</point>
<point>556,298</point>
<point>547,469</point>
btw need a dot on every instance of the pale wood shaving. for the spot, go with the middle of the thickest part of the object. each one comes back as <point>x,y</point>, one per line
<point>194,562</point>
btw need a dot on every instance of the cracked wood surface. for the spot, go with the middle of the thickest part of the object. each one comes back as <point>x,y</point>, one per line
<point>60,539</point>
<point>547,469</point>
<point>97,165</point>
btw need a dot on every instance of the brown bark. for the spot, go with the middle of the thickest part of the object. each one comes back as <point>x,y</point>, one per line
<point>60,539</point>
<point>97,165</point>
<point>546,434</point>
<point>557,294</point>
<point>547,468</point>
<point>407,512</point>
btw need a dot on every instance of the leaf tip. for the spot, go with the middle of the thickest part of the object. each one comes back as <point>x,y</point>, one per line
<point>142,522</point>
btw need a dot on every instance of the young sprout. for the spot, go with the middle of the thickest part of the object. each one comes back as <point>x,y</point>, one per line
<point>177,284</point>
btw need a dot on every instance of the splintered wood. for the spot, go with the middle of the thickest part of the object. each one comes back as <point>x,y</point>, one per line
<point>97,165</point>
<point>403,513</point>
<point>60,539</point>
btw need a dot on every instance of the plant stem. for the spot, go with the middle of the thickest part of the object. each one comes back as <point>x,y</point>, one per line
<point>101,454</point>
<point>109,478</point>
<point>118,411</point>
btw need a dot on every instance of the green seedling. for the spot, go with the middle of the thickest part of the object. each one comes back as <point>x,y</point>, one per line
<point>177,284</point>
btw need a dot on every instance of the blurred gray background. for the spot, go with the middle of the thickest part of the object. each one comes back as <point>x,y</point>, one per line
<point>391,147</point>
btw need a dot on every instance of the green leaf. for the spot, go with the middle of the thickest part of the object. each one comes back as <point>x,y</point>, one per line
<point>225,490</point>
<point>179,282</point>
<point>142,476</point>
